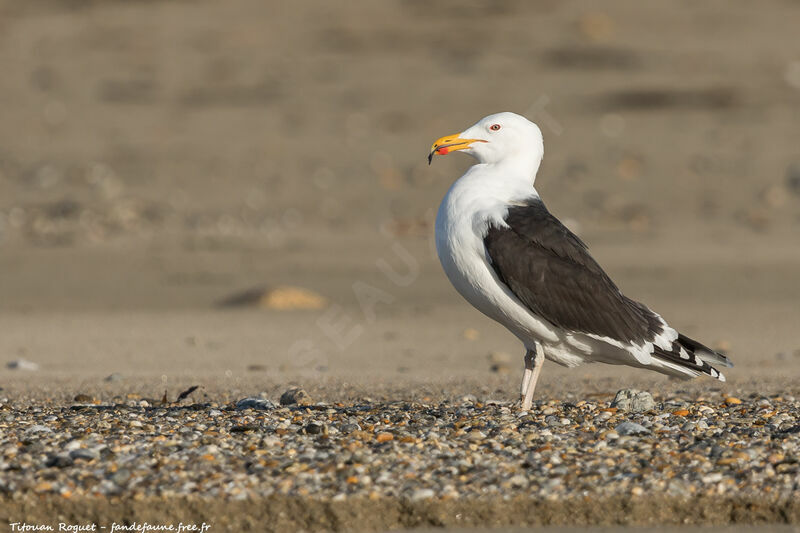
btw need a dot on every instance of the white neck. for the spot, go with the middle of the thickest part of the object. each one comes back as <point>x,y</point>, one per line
<point>509,180</point>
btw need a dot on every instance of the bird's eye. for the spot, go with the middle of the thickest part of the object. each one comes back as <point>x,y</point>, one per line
<point>494,127</point>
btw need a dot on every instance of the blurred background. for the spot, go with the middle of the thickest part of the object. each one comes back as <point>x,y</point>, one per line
<point>158,158</point>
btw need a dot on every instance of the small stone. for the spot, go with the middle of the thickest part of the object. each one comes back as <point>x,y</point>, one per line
<point>518,481</point>
<point>681,412</point>
<point>285,298</point>
<point>314,428</point>
<point>60,460</point>
<point>476,435</point>
<point>295,396</point>
<point>243,428</point>
<point>611,435</point>
<point>422,494</point>
<point>732,401</point>
<point>121,476</point>
<point>500,368</point>
<point>83,398</point>
<point>631,428</point>
<point>384,437</point>
<point>111,378</point>
<point>258,404</point>
<point>22,364</point>
<point>38,428</point>
<point>85,454</point>
<point>554,482</point>
<point>349,428</point>
<point>633,400</point>
<point>72,445</point>
<point>775,458</point>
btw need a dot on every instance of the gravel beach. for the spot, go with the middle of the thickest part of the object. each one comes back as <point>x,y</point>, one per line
<point>369,465</point>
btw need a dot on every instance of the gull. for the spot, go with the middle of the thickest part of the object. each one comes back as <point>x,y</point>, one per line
<point>509,257</point>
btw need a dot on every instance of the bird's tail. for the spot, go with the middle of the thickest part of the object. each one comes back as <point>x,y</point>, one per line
<point>690,358</point>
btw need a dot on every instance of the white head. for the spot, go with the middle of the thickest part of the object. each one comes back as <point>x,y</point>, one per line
<point>499,138</point>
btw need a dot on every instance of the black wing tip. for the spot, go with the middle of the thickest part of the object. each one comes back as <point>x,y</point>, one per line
<point>691,360</point>
<point>713,357</point>
<point>701,349</point>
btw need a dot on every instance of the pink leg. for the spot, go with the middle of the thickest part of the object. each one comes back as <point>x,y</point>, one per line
<point>533,366</point>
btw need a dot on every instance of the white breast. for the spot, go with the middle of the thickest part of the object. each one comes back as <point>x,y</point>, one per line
<point>471,204</point>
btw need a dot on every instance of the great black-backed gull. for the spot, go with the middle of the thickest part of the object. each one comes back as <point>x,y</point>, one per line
<point>516,263</point>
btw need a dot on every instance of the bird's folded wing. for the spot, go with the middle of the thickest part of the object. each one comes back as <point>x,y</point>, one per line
<point>549,269</point>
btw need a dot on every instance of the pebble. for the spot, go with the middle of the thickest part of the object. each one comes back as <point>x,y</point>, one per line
<point>38,428</point>
<point>422,494</point>
<point>314,428</point>
<point>85,454</point>
<point>22,364</point>
<point>633,400</point>
<point>349,428</point>
<point>60,460</point>
<point>286,298</point>
<point>295,396</point>
<point>518,481</point>
<point>631,428</point>
<point>384,437</point>
<point>259,404</point>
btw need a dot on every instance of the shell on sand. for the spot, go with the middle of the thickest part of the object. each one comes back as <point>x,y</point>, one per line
<point>283,298</point>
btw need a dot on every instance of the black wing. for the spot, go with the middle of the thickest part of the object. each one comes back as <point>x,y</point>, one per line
<point>549,269</point>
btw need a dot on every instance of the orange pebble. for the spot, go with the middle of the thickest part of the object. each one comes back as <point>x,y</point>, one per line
<point>384,437</point>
